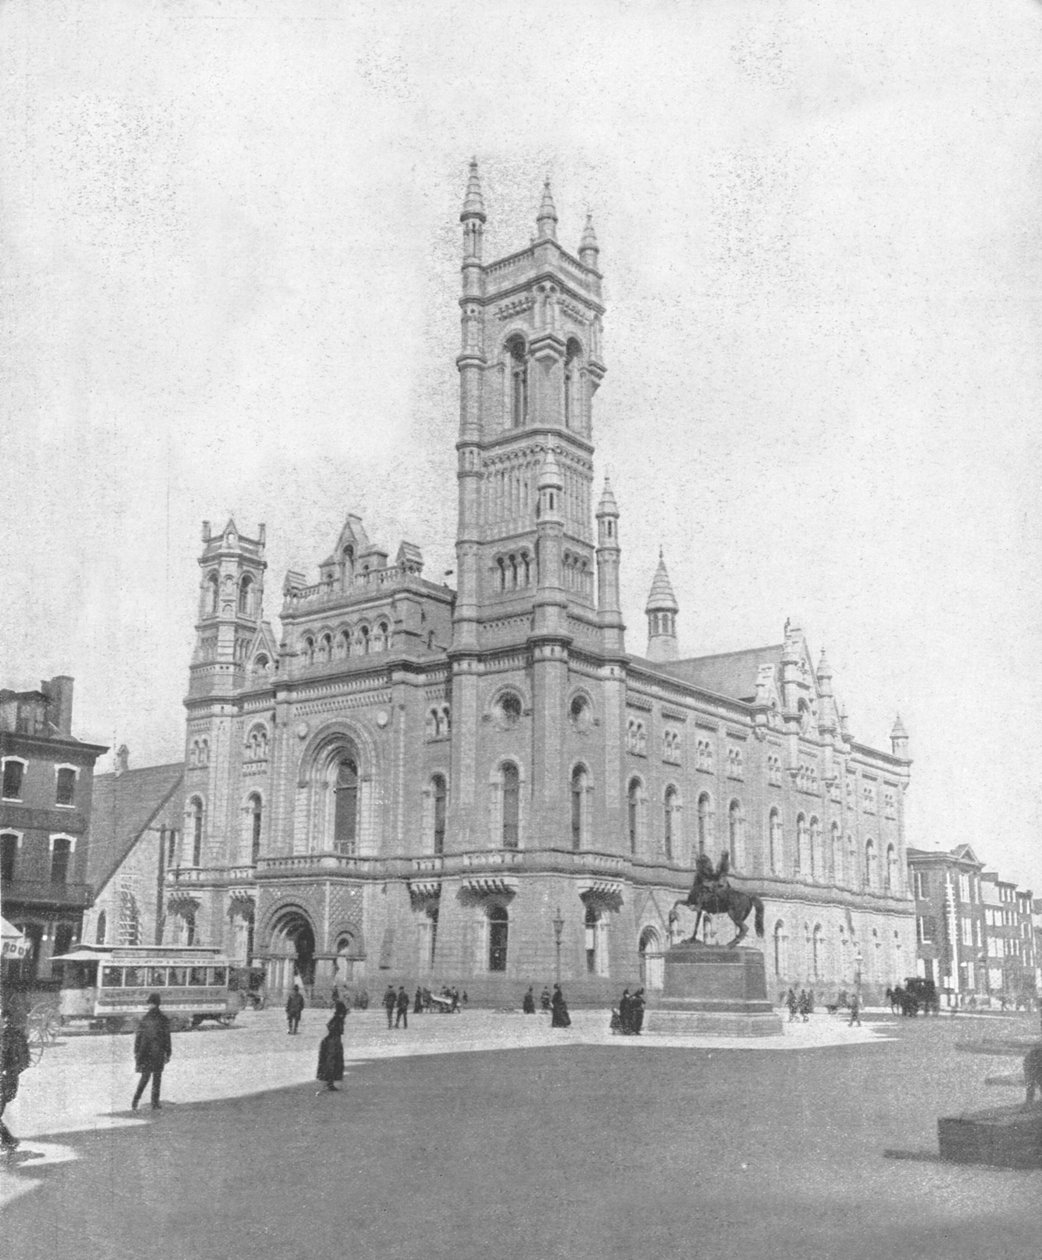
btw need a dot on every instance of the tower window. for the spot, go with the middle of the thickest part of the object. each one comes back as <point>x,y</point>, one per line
<point>518,382</point>
<point>60,852</point>
<point>345,814</point>
<point>13,774</point>
<point>578,807</point>
<point>246,596</point>
<point>440,795</point>
<point>511,805</point>
<point>8,856</point>
<point>195,829</point>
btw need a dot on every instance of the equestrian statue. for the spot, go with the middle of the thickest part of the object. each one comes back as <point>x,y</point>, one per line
<point>711,893</point>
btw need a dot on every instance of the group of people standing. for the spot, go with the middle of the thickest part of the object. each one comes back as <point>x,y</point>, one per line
<point>801,1007</point>
<point>628,1017</point>
<point>552,1002</point>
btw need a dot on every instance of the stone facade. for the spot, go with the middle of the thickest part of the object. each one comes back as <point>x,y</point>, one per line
<point>483,787</point>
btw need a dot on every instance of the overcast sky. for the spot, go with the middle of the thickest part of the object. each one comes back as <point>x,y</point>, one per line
<point>230,260</point>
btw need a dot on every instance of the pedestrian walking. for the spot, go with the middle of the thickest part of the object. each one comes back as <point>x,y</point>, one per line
<point>803,1005</point>
<point>152,1051</point>
<point>14,1059</point>
<point>792,1002</point>
<point>855,1011</point>
<point>559,1010</point>
<point>402,1008</point>
<point>294,1009</point>
<point>331,1056</point>
<point>528,1002</point>
<point>340,1011</point>
<point>544,999</point>
<point>624,1011</point>
<point>389,1004</point>
<point>417,1006</point>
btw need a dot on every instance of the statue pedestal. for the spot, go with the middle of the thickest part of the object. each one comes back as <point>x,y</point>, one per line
<point>711,991</point>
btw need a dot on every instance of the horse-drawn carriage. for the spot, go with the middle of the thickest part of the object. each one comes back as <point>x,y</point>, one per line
<point>915,995</point>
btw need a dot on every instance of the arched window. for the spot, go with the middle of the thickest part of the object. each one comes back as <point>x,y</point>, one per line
<point>802,857</point>
<point>61,851</point>
<point>736,834</point>
<point>705,816</point>
<point>344,645</point>
<point>511,785</point>
<point>441,792</point>
<point>817,862</point>
<point>633,814</point>
<point>853,865</point>
<point>774,827</point>
<point>572,419</point>
<point>816,958</point>
<point>189,928</point>
<point>893,875</point>
<point>837,855</point>
<point>253,818</point>
<point>518,382</point>
<point>99,932</point>
<point>246,596</point>
<point>579,784</point>
<point>669,813</point>
<point>498,929</point>
<point>195,829</point>
<point>213,595</point>
<point>345,809</point>
<point>870,864</point>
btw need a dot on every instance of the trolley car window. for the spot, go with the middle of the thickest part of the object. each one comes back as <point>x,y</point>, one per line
<point>197,975</point>
<point>219,976</point>
<point>178,977</point>
<point>133,977</point>
<point>156,978</point>
<point>112,977</point>
<point>79,975</point>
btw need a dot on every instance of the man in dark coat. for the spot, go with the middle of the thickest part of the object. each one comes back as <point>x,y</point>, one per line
<point>402,1007</point>
<point>294,1009</point>
<point>389,1004</point>
<point>331,1055</point>
<point>152,1050</point>
<point>624,1011</point>
<point>528,1002</point>
<point>14,1059</point>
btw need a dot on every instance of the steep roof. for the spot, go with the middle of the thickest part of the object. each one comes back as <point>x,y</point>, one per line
<point>124,806</point>
<point>731,674</point>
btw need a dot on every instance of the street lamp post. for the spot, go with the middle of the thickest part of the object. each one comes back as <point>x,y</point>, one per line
<point>558,925</point>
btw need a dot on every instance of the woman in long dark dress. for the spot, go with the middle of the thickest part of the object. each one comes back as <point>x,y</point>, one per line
<point>331,1055</point>
<point>637,1012</point>
<point>559,1017</point>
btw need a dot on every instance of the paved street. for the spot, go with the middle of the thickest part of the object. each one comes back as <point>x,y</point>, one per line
<point>491,1132</point>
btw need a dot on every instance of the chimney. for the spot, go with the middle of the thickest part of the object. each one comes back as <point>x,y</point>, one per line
<point>59,704</point>
<point>122,760</point>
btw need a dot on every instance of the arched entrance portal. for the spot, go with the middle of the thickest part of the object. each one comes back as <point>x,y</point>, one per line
<point>292,950</point>
<point>652,964</point>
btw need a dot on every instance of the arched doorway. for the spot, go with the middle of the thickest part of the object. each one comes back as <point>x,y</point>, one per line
<point>293,950</point>
<point>652,962</point>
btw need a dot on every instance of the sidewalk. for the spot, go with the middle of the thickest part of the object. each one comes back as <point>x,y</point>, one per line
<point>86,1082</point>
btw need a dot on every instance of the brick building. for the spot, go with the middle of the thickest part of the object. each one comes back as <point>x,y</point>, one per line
<point>484,786</point>
<point>45,812</point>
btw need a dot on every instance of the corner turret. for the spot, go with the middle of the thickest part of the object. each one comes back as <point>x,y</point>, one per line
<point>546,219</point>
<point>662,608</point>
<point>899,739</point>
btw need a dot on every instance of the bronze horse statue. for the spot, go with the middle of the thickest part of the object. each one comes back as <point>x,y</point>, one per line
<point>712,894</point>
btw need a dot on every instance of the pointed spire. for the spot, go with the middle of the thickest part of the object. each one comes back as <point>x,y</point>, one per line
<point>588,247</point>
<point>899,739</point>
<point>824,668</point>
<point>898,731</point>
<point>473,203</point>
<point>546,219</point>
<point>661,597</point>
<point>607,505</point>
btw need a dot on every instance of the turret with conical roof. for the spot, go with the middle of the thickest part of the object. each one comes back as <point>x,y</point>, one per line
<point>824,675</point>
<point>472,216</point>
<point>662,608</point>
<point>546,219</point>
<point>589,250</point>
<point>899,739</point>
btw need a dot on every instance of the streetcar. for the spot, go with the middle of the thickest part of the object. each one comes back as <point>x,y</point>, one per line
<point>108,986</point>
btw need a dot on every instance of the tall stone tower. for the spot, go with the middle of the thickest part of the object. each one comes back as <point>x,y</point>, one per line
<point>231,596</point>
<point>529,365</point>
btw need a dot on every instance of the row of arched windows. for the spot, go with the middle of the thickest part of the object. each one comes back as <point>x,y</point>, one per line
<point>811,953</point>
<point>514,571</point>
<point>360,640</point>
<point>840,862</point>
<point>518,404</point>
<point>244,596</point>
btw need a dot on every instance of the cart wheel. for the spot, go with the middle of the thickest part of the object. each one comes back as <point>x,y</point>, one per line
<point>41,1031</point>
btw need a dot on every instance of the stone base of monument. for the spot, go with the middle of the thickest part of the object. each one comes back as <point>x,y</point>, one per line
<point>712,991</point>
<point>1004,1137</point>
